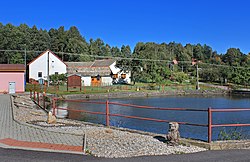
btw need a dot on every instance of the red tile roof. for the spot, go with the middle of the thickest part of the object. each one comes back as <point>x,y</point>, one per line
<point>12,67</point>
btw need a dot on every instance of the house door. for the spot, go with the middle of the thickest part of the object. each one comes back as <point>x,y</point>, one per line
<point>12,87</point>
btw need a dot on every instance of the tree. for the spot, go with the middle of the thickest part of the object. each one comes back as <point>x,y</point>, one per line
<point>232,57</point>
<point>209,74</point>
<point>207,53</point>
<point>115,52</point>
<point>57,79</point>
<point>198,52</point>
<point>76,44</point>
<point>180,77</point>
<point>96,47</point>
<point>125,51</point>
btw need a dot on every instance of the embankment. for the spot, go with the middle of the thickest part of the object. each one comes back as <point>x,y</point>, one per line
<point>146,94</point>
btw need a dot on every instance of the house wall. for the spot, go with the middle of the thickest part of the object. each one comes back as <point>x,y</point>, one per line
<point>18,78</point>
<point>128,76</point>
<point>40,65</point>
<point>106,81</point>
<point>116,70</point>
<point>86,81</point>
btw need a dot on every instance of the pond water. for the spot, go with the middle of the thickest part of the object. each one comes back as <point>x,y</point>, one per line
<point>193,102</point>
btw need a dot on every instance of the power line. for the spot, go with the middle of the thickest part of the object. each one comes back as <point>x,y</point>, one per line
<point>239,67</point>
<point>121,58</point>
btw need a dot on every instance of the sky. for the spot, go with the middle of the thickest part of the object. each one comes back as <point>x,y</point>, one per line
<point>220,24</point>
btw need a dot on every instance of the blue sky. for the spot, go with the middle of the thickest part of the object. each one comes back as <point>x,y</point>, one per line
<point>220,24</point>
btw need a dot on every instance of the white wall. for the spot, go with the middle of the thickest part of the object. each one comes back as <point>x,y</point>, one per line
<point>118,71</point>
<point>106,81</point>
<point>114,69</point>
<point>86,81</point>
<point>128,76</point>
<point>41,64</point>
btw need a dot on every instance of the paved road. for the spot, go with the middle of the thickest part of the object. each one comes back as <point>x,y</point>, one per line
<point>11,129</point>
<point>10,155</point>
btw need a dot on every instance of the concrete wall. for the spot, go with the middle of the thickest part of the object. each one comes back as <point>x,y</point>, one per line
<point>18,78</point>
<point>41,65</point>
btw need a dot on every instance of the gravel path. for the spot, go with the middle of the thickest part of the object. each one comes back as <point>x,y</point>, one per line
<point>101,141</point>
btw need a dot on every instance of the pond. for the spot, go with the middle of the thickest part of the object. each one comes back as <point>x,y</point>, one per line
<point>193,102</point>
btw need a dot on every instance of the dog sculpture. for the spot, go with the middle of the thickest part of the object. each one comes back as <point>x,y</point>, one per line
<point>173,134</point>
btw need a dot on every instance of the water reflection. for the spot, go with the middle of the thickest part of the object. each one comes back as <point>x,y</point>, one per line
<point>62,113</point>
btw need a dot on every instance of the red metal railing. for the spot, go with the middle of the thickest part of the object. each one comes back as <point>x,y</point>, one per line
<point>38,98</point>
<point>210,125</point>
<point>107,113</point>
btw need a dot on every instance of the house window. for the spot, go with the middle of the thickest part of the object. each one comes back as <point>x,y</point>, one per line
<point>39,74</point>
<point>56,73</point>
<point>115,75</point>
<point>123,76</point>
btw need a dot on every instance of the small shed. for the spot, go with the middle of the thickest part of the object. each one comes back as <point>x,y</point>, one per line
<point>74,81</point>
<point>12,78</point>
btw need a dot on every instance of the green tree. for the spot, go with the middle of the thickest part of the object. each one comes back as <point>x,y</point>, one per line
<point>125,51</point>
<point>76,45</point>
<point>58,79</point>
<point>115,52</point>
<point>180,77</point>
<point>96,47</point>
<point>232,57</point>
<point>209,74</point>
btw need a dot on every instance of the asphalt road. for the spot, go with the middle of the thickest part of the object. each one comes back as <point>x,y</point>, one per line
<point>13,155</point>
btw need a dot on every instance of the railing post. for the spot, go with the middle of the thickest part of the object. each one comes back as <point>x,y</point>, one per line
<point>107,113</point>
<point>38,98</point>
<point>44,100</point>
<point>54,106</point>
<point>209,125</point>
<point>34,95</point>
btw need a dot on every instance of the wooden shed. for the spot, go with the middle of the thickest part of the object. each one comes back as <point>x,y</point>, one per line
<point>74,81</point>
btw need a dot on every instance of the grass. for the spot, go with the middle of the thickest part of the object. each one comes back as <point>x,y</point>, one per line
<point>142,87</point>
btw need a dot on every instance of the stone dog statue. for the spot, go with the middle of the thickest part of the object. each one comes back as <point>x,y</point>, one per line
<point>173,133</point>
<point>51,118</point>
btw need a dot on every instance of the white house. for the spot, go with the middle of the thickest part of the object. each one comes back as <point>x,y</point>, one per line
<point>100,72</point>
<point>46,62</point>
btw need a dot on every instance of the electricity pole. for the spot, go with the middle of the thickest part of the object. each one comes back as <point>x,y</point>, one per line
<point>48,69</point>
<point>25,55</point>
<point>25,64</point>
<point>197,77</point>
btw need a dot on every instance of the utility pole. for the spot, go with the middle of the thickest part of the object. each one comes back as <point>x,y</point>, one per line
<point>48,69</point>
<point>62,52</point>
<point>25,55</point>
<point>25,65</point>
<point>197,77</point>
